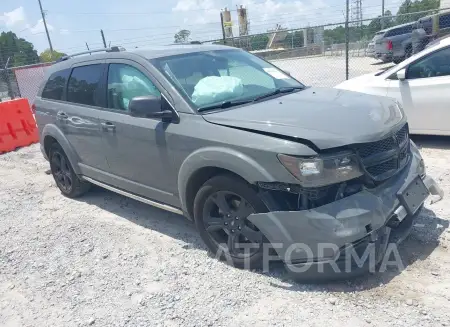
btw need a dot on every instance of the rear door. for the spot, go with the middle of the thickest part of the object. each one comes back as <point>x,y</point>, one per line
<point>135,147</point>
<point>78,117</point>
<point>425,93</point>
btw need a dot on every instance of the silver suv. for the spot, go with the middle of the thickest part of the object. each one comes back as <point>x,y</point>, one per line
<point>247,152</point>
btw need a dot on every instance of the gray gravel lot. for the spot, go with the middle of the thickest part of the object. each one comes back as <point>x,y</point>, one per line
<point>328,71</point>
<point>105,260</point>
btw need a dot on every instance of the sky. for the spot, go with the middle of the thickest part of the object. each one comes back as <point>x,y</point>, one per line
<point>137,23</point>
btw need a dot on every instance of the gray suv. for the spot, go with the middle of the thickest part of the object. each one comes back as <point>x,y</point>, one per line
<point>247,152</point>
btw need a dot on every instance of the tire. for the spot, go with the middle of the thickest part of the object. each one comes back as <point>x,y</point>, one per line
<point>220,224</point>
<point>397,60</point>
<point>66,179</point>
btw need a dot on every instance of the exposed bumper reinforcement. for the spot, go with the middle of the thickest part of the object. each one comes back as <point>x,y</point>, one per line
<point>321,235</point>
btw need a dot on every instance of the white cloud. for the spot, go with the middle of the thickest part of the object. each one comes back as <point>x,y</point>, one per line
<point>14,17</point>
<point>203,17</point>
<point>40,28</point>
<point>194,5</point>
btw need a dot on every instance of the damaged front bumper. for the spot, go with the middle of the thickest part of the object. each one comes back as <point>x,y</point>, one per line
<point>370,219</point>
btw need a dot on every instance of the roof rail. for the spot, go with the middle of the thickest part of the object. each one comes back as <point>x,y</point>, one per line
<point>111,49</point>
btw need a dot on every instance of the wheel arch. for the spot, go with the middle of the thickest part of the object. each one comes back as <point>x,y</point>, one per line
<point>52,134</point>
<point>205,163</point>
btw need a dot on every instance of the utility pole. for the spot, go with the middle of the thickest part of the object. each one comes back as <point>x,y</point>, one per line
<point>223,28</point>
<point>382,14</point>
<point>46,29</point>
<point>103,38</point>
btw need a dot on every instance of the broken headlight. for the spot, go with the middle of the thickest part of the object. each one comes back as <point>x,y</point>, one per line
<point>322,170</point>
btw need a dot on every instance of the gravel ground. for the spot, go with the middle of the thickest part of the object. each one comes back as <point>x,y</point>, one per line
<point>327,71</point>
<point>105,260</point>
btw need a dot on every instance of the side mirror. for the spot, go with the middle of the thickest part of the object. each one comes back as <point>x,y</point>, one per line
<point>401,74</point>
<point>149,106</point>
<point>287,72</point>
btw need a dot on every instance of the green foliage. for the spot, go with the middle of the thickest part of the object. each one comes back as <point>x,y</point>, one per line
<point>294,40</point>
<point>182,36</point>
<point>20,51</point>
<point>259,42</point>
<point>408,9</point>
<point>47,56</point>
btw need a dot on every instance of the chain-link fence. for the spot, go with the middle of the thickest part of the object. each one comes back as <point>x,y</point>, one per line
<point>22,81</point>
<point>328,54</point>
<point>322,55</point>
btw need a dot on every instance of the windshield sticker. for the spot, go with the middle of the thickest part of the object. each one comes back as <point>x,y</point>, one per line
<point>275,73</point>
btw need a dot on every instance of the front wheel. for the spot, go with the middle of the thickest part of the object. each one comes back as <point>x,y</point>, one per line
<point>221,208</point>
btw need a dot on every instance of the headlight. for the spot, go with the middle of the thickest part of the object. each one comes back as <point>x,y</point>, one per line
<point>323,170</point>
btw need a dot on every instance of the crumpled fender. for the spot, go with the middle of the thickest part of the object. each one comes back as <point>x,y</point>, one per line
<point>224,158</point>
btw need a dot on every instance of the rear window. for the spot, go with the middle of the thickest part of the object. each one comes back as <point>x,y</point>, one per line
<point>54,88</point>
<point>399,31</point>
<point>84,85</point>
<point>444,21</point>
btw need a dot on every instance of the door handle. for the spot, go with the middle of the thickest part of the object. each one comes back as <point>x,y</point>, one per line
<point>108,126</point>
<point>62,115</point>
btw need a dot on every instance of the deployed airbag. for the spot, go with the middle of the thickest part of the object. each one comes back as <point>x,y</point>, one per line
<point>214,89</point>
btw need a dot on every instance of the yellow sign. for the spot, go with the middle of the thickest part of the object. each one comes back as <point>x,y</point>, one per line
<point>228,24</point>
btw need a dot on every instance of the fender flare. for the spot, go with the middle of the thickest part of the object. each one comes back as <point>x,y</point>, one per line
<point>55,132</point>
<point>220,157</point>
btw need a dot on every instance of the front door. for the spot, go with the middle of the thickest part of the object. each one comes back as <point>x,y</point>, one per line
<point>135,147</point>
<point>425,93</point>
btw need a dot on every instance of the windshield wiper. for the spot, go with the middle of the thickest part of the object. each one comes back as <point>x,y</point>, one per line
<point>279,90</point>
<point>224,105</point>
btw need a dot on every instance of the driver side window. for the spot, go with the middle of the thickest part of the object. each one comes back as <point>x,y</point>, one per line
<point>126,82</point>
<point>434,65</point>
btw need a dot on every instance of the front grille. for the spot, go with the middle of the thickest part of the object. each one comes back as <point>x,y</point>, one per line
<point>382,159</point>
<point>379,169</point>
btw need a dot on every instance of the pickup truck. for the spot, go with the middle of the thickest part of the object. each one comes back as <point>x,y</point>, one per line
<point>394,43</point>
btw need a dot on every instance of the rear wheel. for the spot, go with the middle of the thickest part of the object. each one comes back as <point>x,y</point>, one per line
<point>221,208</point>
<point>66,179</point>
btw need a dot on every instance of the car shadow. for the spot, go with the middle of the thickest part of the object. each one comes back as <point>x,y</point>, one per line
<point>421,242</point>
<point>423,239</point>
<point>146,216</point>
<point>431,141</point>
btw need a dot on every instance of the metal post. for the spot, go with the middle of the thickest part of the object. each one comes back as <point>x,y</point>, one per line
<point>8,81</point>
<point>103,38</point>
<point>382,14</point>
<point>46,30</point>
<point>87,46</point>
<point>223,28</point>
<point>347,36</point>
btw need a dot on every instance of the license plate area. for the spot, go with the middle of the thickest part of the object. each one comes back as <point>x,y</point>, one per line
<point>413,195</point>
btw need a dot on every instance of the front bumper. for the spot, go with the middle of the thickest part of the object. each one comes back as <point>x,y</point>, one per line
<point>321,235</point>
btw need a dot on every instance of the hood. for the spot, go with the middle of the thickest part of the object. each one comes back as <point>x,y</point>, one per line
<point>326,117</point>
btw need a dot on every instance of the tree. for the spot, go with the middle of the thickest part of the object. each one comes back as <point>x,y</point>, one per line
<point>47,56</point>
<point>408,11</point>
<point>259,42</point>
<point>20,51</point>
<point>182,36</point>
<point>294,40</point>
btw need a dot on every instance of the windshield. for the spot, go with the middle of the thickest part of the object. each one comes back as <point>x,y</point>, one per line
<point>211,77</point>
